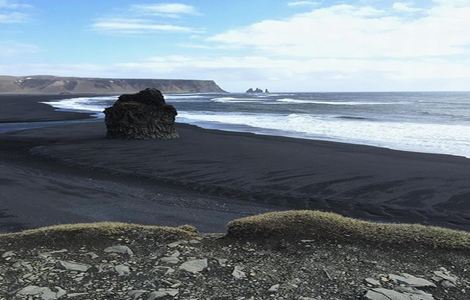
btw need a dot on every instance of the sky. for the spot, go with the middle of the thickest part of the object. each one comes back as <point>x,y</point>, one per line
<point>282,45</point>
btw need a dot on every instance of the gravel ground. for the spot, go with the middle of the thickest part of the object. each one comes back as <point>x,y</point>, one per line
<point>143,266</point>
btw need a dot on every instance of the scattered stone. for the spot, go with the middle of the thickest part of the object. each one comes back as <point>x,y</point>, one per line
<point>122,270</point>
<point>73,295</point>
<point>162,293</point>
<point>222,262</point>
<point>8,254</point>
<point>411,280</point>
<point>170,260</point>
<point>238,273</point>
<point>92,255</point>
<point>50,253</point>
<point>372,282</point>
<point>274,288</point>
<point>120,250</point>
<point>194,266</point>
<point>73,266</point>
<point>445,278</point>
<point>44,292</point>
<point>164,270</point>
<point>177,243</point>
<point>384,294</point>
<point>134,294</point>
<point>23,264</point>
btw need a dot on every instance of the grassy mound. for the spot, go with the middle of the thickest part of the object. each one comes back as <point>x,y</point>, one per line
<point>96,233</point>
<point>321,225</point>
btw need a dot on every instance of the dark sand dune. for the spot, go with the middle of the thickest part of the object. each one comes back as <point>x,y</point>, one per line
<point>359,181</point>
<point>36,192</point>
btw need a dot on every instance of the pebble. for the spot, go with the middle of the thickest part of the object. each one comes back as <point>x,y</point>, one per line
<point>134,294</point>
<point>119,249</point>
<point>172,260</point>
<point>177,243</point>
<point>73,266</point>
<point>372,282</point>
<point>161,293</point>
<point>194,266</point>
<point>8,254</point>
<point>411,280</point>
<point>238,273</point>
<point>44,292</point>
<point>122,270</point>
<point>274,288</point>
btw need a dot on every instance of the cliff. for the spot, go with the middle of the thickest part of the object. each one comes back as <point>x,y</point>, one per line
<point>74,85</point>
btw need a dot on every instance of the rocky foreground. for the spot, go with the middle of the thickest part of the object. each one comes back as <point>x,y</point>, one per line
<point>116,261</point>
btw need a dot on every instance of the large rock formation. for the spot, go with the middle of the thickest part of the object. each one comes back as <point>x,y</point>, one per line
<point>144,115</point>
<point>256,91</point>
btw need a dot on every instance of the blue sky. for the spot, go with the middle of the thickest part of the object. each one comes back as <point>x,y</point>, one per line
<point>360,45</point>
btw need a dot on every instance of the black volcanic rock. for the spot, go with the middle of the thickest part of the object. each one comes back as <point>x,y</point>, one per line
<point>256,91</point>
<point>144,115</point>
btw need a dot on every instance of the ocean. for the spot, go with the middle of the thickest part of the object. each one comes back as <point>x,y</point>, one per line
<point>431,122</point>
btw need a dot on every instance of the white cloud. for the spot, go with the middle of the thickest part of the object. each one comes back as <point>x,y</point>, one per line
<point>13,12</point>
<point>405,7</point>
<point>130,26</point>
<point>354,47</point>
<point>11,48</point>
<point>12,17</point>
<point>145,18</point>
<point>302,3</point>
<point>345,31</point>
<point>165,9</point>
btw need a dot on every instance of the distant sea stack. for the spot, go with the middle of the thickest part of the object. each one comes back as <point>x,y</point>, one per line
<point>256,91</point>
<point>144,115</point>
<point>53,85</point>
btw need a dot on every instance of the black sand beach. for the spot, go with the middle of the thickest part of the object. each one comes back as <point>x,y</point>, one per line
<point>72,173</point>
<point>28,108</point>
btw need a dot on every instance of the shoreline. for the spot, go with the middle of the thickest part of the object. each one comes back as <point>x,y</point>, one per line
<point>28,108</point>
<point>46,113</point>
<point>226,175</point>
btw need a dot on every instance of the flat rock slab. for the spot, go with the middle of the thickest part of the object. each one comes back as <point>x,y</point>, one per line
<point>44,293</point>
<point>120,250</point>
<point>73,266</point>
<point>387,294</point>
<point>194,266</point>
<point>410,280</point>
<point>162,293</point>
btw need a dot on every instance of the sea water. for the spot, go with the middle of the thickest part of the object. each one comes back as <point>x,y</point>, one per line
<point>434,122</point>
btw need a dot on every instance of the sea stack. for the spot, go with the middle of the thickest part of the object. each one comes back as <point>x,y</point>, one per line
<point>144,115</point>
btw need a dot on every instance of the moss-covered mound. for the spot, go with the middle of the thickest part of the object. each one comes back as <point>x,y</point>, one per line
<point>96,233</point>
<point>306,224</point>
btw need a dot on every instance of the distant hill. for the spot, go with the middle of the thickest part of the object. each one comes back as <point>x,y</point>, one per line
<point>75,85</point>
